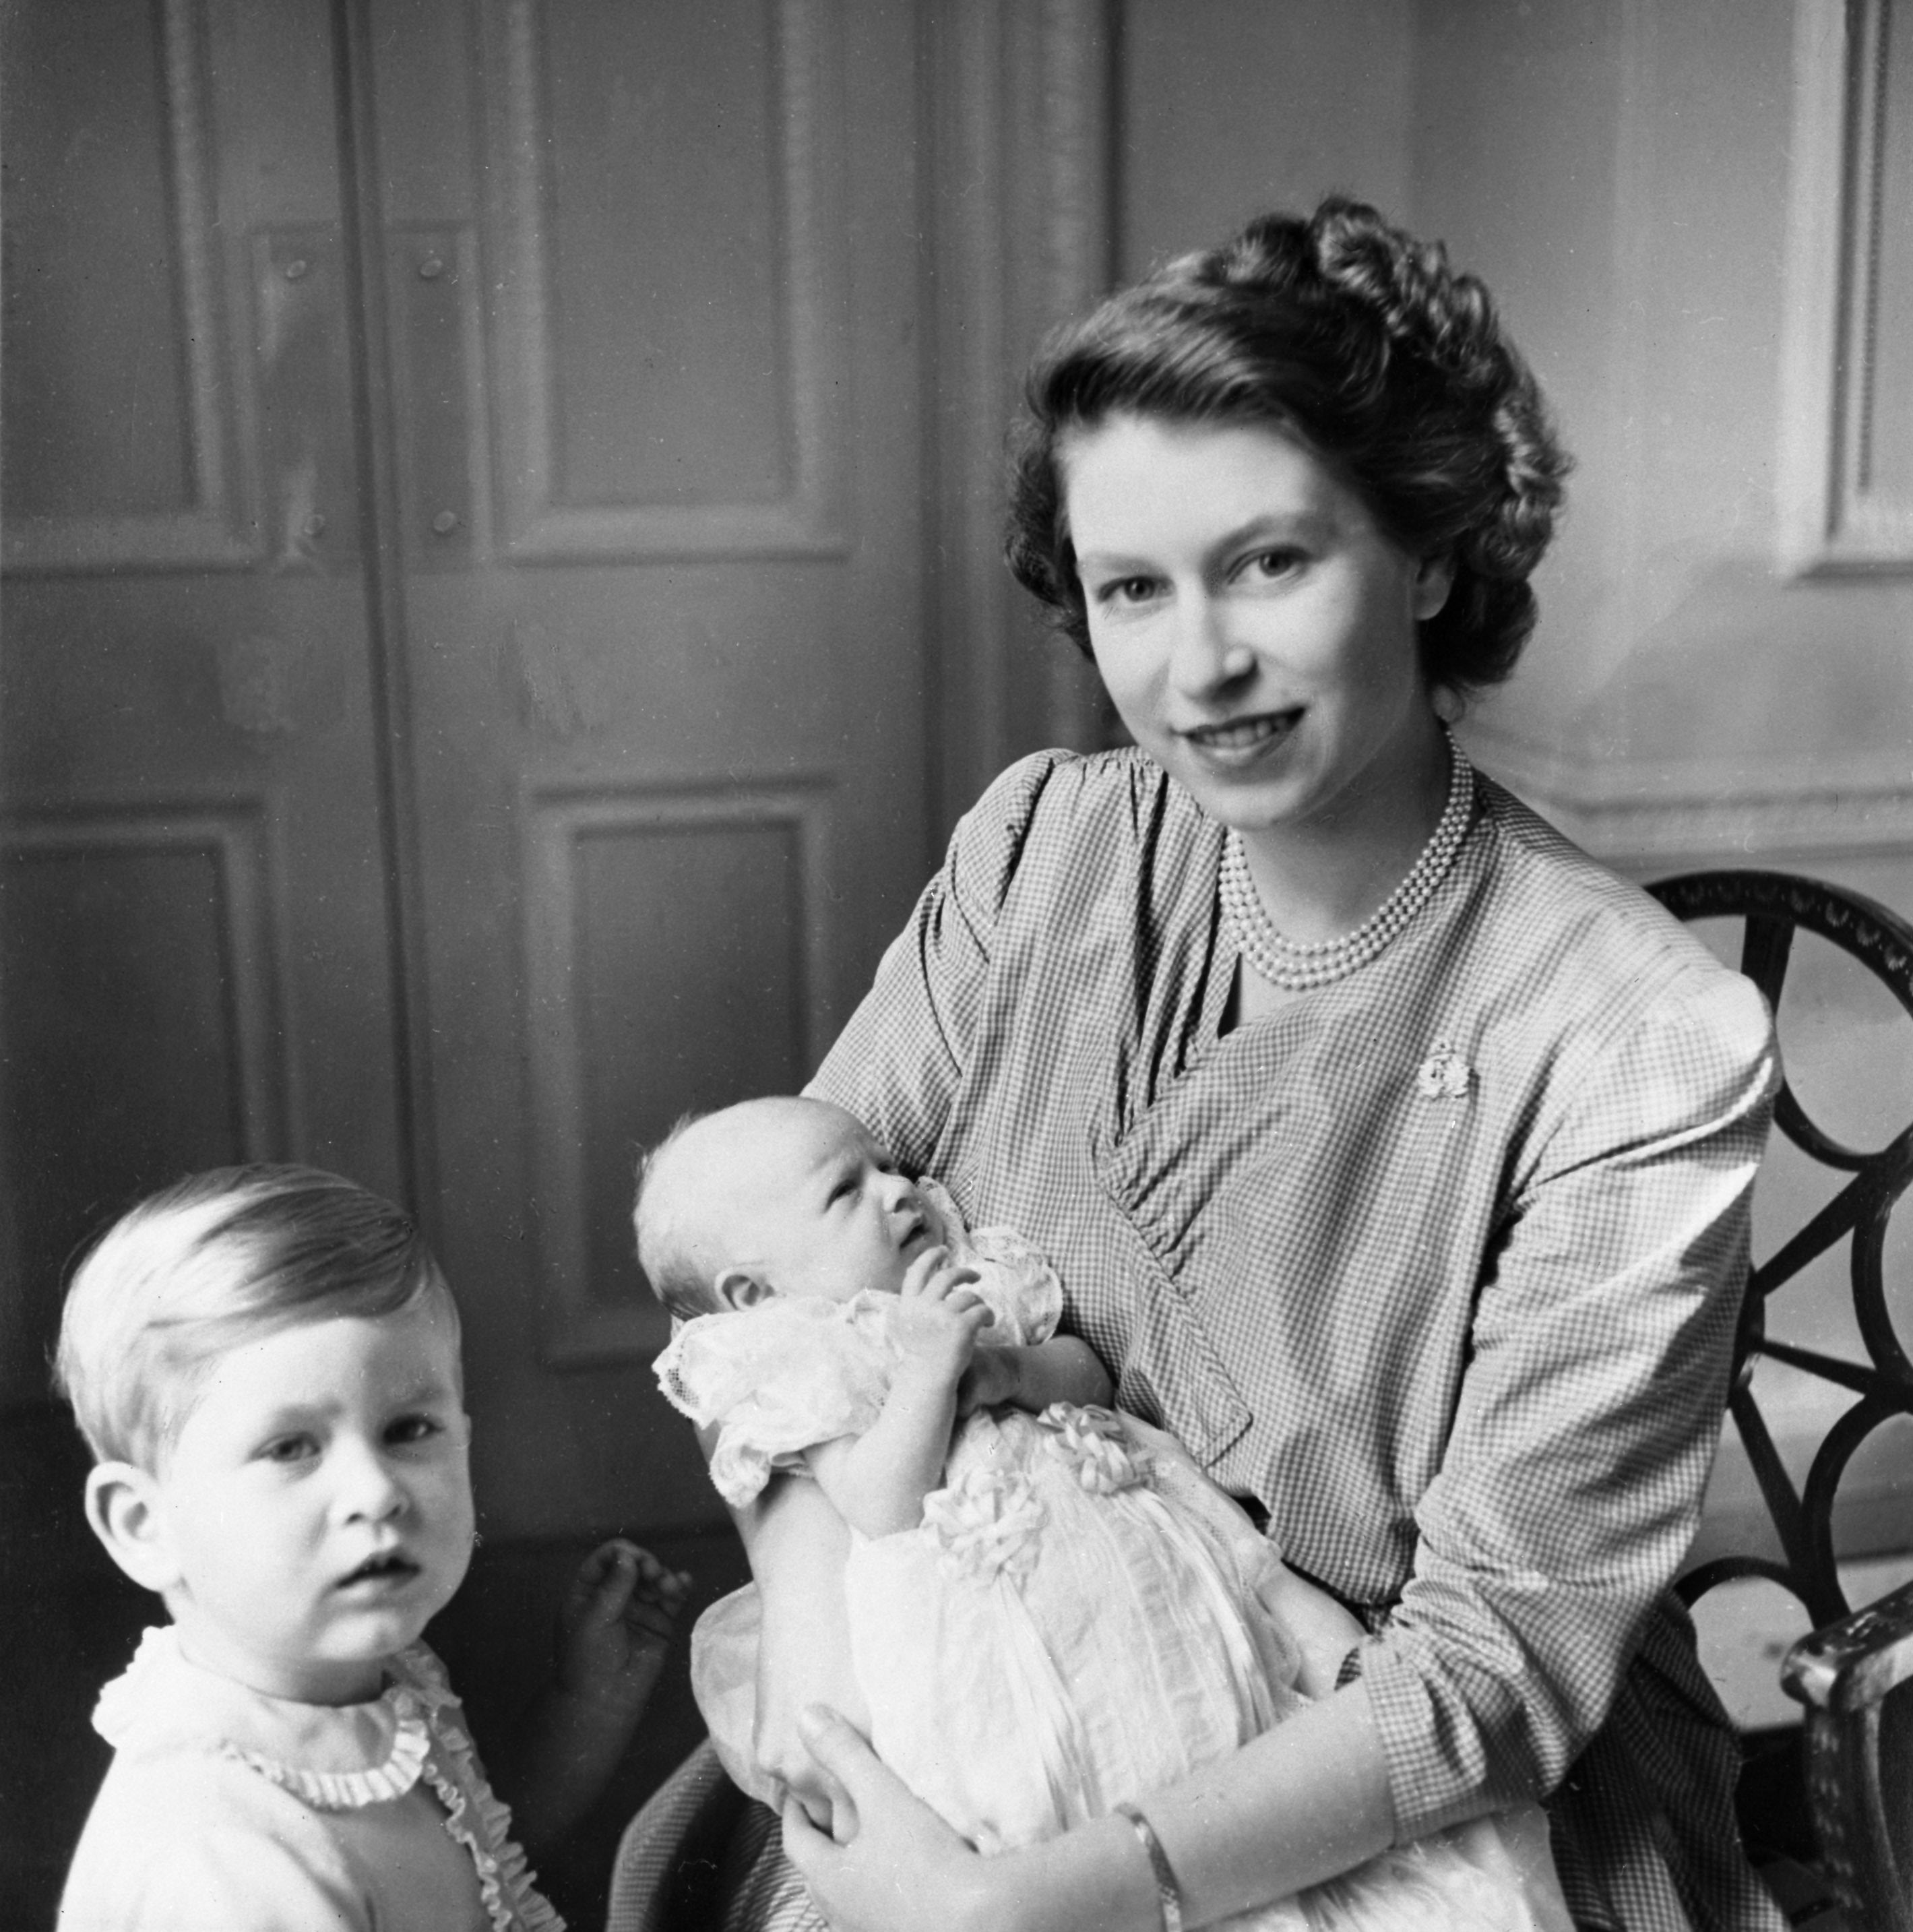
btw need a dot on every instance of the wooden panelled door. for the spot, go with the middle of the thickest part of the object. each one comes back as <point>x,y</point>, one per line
<point>473,553</point>
<point>463,687</point>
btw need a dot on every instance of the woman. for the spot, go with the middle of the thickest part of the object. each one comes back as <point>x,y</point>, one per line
<point>1394,1156</point>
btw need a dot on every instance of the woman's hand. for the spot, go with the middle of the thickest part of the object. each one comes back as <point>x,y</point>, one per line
<point>892,1864</point>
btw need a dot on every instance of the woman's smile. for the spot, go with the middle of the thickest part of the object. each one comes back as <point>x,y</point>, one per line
<point>1239,740</point>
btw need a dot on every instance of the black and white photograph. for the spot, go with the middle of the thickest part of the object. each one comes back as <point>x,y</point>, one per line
<point>956,965</point>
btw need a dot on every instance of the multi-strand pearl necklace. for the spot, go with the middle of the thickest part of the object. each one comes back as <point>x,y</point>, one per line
<point>1295,967</point>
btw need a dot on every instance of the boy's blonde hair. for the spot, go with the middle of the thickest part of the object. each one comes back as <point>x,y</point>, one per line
<point>218,1258</point>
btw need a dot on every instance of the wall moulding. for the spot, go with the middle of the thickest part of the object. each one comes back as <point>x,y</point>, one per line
<point>1845,471</point>
<point>1625,814</point>
<point>1830,823</point>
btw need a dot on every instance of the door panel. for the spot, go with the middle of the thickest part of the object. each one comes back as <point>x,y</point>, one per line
<point>668,245</point>
<point>667,335</point>
<point>113,293</point>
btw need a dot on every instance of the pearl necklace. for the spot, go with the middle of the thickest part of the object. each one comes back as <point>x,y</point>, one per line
<point>1296,967</point>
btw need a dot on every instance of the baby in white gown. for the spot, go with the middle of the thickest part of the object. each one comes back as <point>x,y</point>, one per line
<point>1051,1610</point>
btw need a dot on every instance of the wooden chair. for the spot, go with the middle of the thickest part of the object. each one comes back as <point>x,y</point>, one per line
<point>1850,1672</point>
<point>1855,1674</point>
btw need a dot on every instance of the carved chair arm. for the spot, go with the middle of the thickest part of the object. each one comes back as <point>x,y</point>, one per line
<point>1855,1677</point>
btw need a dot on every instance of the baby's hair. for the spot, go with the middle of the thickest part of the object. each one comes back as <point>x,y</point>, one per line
<point>1361,341</point>
<point>216,1259</point>
<point>668,1249</point>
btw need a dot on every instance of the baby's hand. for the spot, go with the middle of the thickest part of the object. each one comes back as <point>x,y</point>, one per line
<point>614,1626</point>
<point>933,1277</point>
<point>936,1327</point>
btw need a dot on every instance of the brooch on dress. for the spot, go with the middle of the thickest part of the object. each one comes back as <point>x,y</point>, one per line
<point>1444,1074</point>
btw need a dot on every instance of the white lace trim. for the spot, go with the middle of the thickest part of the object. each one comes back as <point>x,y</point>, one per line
<point>505,1879</point>
<point>352,1790</point>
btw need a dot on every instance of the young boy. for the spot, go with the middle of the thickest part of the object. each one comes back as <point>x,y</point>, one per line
<point>265,1361</point>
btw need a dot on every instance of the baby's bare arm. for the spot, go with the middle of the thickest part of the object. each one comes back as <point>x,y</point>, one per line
<point>878,1480</point>
<point>1065,1369</point>
<point>798,1544</point>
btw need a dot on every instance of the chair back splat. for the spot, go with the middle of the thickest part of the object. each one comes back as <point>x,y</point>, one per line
<point>1859,1725</point>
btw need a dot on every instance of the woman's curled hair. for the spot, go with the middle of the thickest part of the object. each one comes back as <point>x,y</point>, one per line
<point>1361,341</point>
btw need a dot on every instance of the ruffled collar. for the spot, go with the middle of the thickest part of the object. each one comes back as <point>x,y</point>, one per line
<point>373,1784</point>
<point>336,1757</point>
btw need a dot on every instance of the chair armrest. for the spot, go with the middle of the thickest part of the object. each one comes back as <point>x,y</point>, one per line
<point>1855,1677</point>
<point>1854,1663</point>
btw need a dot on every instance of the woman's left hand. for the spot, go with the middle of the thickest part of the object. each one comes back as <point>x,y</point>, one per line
<point>894,1865</point>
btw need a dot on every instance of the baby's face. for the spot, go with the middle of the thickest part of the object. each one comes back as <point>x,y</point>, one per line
<point>825,1213</point>
<point>316,1505</point>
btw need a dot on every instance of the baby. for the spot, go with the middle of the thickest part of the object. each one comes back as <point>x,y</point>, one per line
<point>1051,1610</point>
<point>265,1361</point>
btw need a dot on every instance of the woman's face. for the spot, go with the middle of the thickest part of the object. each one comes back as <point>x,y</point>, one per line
<point>1255,628</point>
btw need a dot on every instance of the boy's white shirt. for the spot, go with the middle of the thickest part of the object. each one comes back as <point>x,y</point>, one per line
<point>227,1810</point>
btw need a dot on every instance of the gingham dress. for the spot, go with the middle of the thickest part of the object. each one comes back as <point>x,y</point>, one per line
<point>1439,1263</point>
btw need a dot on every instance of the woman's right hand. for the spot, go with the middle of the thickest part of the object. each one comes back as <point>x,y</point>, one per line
<point>893,1866</point>
<point>889,1863</point>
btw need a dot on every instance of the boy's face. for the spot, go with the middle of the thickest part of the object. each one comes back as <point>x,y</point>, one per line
<point>820,1209</point>
<point>316,1509</point>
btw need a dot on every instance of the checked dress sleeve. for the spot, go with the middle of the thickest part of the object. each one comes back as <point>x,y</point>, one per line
<point>1587,1418</point>
<point>898,1063</point>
